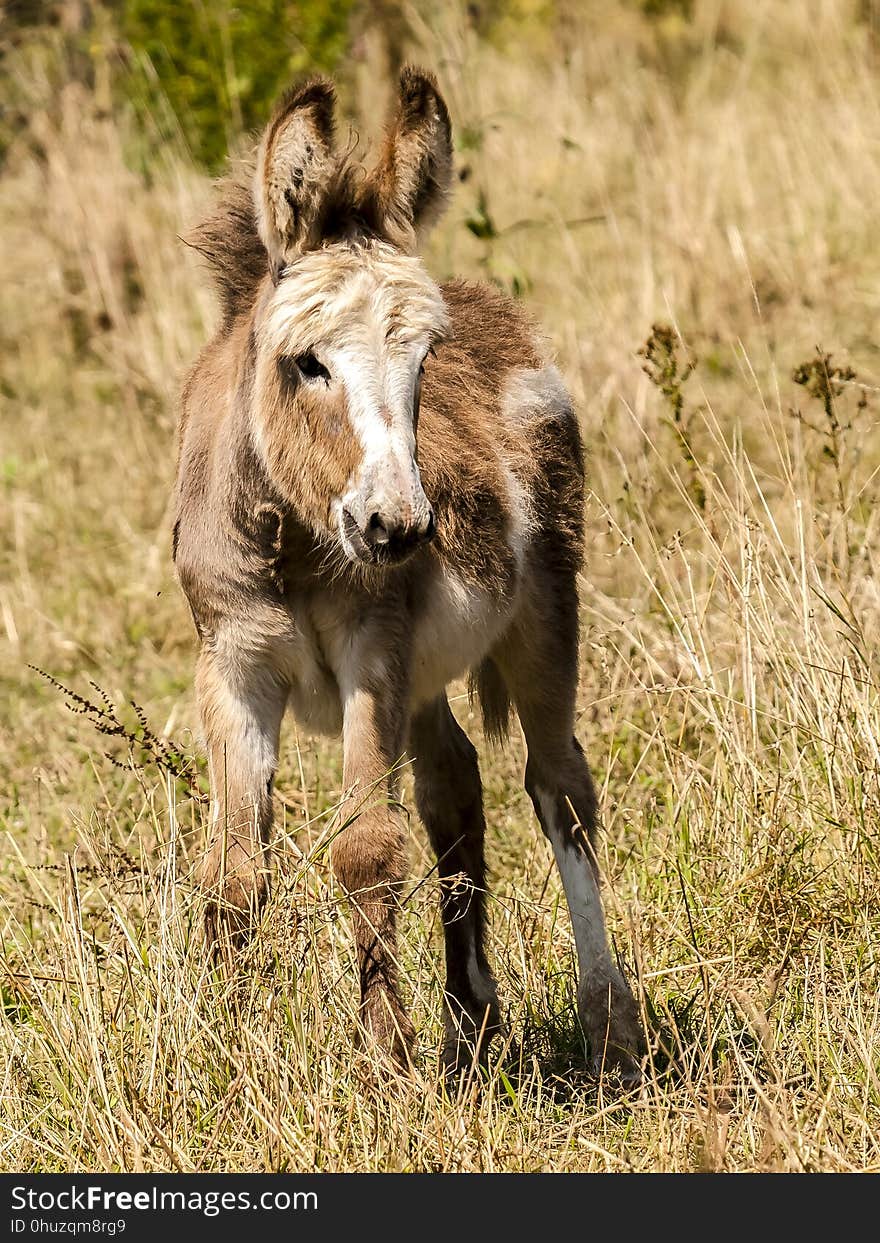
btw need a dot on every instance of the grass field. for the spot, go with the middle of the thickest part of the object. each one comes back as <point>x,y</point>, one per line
<point>717,178</point>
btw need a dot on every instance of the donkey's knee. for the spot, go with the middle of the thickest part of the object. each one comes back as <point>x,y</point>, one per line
<point>368,858</point>
<point>241,706</point>
<point>236,870</point>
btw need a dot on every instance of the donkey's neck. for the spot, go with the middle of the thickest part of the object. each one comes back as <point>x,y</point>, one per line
<point>265,523</point>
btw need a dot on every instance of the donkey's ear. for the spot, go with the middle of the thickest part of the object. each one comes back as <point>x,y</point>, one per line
<point>294,162</point>
<point>411,181</point>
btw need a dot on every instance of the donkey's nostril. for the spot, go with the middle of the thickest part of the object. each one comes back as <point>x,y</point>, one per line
<point>431,528</point>
<point>377,532</point>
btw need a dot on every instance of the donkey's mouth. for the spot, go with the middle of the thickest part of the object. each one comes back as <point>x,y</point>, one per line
<point>355,546</point>
<point>391,551</point>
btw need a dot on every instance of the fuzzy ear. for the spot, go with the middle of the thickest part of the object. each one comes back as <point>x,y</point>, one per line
<point>294,163</point>
<point>411,182</point>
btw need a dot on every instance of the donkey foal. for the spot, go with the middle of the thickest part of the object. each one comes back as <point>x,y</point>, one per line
<point>380,489</point>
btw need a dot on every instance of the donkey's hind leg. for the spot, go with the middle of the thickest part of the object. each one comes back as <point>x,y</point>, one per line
<point>540,668</point>
<point>241,710</point>
<point>449,797</point>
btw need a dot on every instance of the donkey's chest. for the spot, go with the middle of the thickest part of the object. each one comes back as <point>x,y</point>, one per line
<point>452,633</point>
<point>314,696</point>
<point>451,628</point>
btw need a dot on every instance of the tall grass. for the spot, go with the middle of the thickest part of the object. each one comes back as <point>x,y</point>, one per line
<point>701,192</point>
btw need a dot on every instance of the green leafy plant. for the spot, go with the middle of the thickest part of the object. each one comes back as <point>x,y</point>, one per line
<point>220,66</point>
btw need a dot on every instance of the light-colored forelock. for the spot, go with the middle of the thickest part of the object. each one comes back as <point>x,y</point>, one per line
<point>327,294</point>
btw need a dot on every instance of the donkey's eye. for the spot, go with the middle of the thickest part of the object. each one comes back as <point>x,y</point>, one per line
<point>311,368</point>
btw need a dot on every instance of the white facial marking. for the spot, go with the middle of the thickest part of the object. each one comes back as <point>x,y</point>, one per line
<point>581,890</point>
<point>382,422</point>
<point>369,314</point>
<point>329,293</point>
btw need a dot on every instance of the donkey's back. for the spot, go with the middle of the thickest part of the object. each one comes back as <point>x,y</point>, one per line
<point>380,490</point>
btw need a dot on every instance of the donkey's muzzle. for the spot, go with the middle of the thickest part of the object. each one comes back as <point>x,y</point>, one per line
<point>383,539</point>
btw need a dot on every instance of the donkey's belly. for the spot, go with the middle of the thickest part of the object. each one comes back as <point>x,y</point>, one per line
<point>459,625</point>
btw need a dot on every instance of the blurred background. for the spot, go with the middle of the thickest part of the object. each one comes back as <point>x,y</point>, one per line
<point>684,193</point>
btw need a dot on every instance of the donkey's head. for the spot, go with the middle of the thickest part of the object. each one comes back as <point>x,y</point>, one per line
<point>343,329</point>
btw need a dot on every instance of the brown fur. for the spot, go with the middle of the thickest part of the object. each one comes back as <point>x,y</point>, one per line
<point>230,242</point>
<point>290,463</point>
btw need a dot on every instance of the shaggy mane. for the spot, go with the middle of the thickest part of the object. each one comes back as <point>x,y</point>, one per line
<point>231,244</point>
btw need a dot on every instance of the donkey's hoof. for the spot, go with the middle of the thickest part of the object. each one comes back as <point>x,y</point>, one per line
<point>232,909</point>
<point>232,915</point>
<point>470,1031</point>
<point>236,886</point>
<point>228,925</point>
<point>610,1019</point>
<point>622,1066</point>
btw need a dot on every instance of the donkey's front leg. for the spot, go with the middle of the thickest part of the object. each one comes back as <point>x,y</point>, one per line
<point>369,854</point>
<point>241,704</point>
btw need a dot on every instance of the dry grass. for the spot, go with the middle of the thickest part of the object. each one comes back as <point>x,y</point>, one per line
<point>729,174</point>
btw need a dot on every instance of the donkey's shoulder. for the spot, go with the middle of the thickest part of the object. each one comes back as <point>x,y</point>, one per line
<point>501,356</point>
<point>495,330</point>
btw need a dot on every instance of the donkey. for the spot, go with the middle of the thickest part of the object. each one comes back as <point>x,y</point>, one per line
<point>379,490</point>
